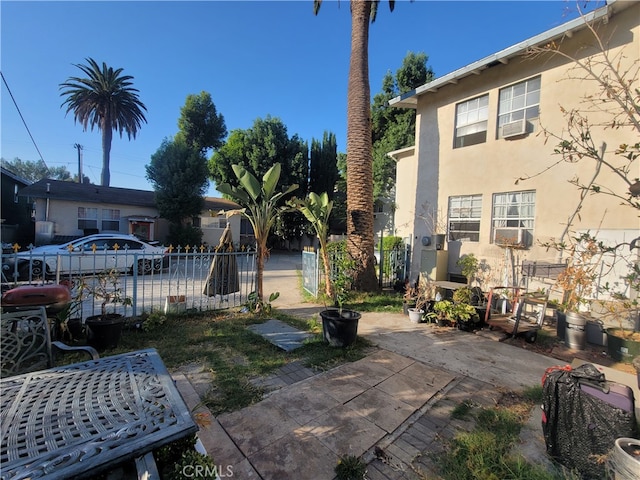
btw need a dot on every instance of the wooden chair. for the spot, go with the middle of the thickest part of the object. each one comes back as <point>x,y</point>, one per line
<point>26,345</point>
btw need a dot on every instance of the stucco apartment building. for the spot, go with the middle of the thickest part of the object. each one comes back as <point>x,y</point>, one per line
<point>479,129</point>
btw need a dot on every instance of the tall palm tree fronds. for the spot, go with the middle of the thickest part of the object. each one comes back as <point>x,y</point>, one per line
<point>107,100</point>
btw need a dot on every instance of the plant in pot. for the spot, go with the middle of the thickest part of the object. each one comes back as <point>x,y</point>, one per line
<point>424,298</point>
<point>442,312</point>
<point>623,341</point>
<point>463,313</point>
<point>339,325</point>
<point>103,331</point>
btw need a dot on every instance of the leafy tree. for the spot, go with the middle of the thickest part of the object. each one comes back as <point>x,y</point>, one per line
<point>178,174</point>
<point>262,204</point>
<point>359,147</point>
<point>394,128</point>
<point>35,170</point>
<point>200,125</point>
<point>259,148</point>
<point>323,170</point>
<point>104,99</point>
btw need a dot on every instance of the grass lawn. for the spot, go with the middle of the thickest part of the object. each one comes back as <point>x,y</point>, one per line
<point>232,354</point>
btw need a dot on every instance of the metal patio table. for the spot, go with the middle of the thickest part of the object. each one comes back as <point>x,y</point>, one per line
<point>77,420</point>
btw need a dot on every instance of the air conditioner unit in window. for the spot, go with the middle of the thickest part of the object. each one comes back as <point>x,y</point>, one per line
<point>508,237</point>
<point>514,129</point>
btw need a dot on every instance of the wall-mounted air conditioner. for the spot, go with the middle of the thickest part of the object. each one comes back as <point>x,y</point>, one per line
<point>509,236</point>
<point>514,129</point>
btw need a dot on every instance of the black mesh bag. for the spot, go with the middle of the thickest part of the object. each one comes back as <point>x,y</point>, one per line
<point>581,418</point>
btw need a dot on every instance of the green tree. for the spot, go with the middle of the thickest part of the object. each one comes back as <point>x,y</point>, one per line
<point>359,147</point>
<point>259,148</point>
<point>107,100</point>
<point>178,174</point>
<point>35,170</point>
<point>394,128</point>
<point>323,164</point>
<point>262,203</point>
<point>200,125</point>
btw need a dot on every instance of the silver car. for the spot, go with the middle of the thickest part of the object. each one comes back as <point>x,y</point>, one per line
<point>93,253</point>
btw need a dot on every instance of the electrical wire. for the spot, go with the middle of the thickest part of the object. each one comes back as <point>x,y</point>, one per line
<point>23,120</point>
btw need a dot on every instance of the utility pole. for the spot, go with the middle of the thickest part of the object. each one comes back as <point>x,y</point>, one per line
<point>79,147</point>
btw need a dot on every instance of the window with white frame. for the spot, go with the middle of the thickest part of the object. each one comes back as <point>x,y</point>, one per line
<point>111,219</point>
<point>87,218</point>
<point>464,217</point>
<point>471,122</point>
<point>214,222</point>
<point>513,218</point>
<point>519,103</point>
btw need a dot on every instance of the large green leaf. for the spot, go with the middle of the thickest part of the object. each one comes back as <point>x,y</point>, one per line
<point>248,181</point>
<point>270,180</point>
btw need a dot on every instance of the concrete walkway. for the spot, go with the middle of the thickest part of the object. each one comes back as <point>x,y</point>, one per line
<point>392,407</point>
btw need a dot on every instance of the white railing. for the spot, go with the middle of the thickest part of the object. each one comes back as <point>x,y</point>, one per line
<point>178,281</point>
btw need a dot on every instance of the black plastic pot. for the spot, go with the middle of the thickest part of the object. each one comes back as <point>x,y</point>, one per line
<point>340,328</point>
<point>104,332</point>
<point>620,348</point>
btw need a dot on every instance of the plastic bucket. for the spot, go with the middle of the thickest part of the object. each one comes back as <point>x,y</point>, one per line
<point>575,334</point>
<point>624,460</point>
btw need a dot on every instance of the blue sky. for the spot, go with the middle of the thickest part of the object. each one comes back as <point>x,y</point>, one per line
<point>254,58</point>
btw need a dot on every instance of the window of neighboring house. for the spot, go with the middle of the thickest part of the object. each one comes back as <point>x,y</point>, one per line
<point>87,218</point>
<point>196,222</point>
<point>513,218</point>
<point>110,219</point>
<point>471,122</point>
<point>519,102</point>
<point>378,206</point>
<point>15,193</point>
<point>214,222</point>
<point>464,217</point>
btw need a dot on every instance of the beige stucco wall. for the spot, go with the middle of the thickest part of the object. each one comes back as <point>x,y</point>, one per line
<point>439,171</point>
<point>64,216</point>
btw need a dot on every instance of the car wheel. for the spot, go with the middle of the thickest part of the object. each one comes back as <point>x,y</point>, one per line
<point>157,265</point>
<point>144,267</point>
<point>35,270</point>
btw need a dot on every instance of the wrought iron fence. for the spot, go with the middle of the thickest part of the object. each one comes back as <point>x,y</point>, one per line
<point>391,267</point>
<point>198,280</point>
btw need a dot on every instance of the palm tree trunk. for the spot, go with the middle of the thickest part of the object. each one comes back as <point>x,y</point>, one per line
<point>359,152</point>
<point>107,135</point>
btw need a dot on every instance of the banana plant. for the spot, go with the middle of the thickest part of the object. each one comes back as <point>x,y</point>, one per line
<point>317,209</point>
<point>262,204</point>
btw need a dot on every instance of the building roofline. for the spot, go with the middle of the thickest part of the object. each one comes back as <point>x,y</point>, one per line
<point>410,99</point>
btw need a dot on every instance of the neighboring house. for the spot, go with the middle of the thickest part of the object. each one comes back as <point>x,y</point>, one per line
<point>64,210</point>
<point>478,129</point>
<point>16,211</point>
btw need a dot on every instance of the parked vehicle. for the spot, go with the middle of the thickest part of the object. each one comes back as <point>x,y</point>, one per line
<point>98,252</point>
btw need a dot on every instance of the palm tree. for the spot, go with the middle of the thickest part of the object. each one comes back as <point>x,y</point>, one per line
<point>107,100</point>
<point>359,149</point>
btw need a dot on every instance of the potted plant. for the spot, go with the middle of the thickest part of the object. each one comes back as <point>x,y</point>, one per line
<point>104,330</point>
<point>424,299</point>
<point>469,267</point>
<point>442,310</point>
<point>339,325</point>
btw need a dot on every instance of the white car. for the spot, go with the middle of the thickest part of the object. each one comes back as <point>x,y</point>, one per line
<point>93,253</point>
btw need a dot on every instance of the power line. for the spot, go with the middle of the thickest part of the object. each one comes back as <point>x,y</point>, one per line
<point>23,120</point>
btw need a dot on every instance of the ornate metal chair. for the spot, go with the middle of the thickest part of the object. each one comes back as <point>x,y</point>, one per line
<point>26,345</point>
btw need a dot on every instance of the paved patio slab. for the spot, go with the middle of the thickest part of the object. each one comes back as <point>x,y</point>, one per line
<point>282,335</point>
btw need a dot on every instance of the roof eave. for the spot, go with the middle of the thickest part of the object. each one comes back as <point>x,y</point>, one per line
<point>410,99</point>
